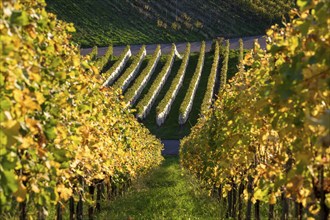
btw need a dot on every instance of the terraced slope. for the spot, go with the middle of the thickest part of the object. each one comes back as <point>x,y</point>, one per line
<point>169,128</point>
<point>101,22</point>
<point>160,73</point>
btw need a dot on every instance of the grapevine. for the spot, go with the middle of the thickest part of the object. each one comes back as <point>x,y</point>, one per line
<point>268,132</point>
<point>60,129</point>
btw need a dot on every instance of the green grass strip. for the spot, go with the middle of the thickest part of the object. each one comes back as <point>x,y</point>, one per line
<point>207,100</point>
<point>188,100</point>
<point>135,90</point>
<point>128,76</point>
<point>164,107</point>
<point>144,106</point>
<point>167,192</point>
<point>112,74</point>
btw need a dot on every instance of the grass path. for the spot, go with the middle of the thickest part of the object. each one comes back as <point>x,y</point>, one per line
<point>166,193</point>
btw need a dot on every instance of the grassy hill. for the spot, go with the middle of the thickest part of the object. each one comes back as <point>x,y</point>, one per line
<point>100,22</point>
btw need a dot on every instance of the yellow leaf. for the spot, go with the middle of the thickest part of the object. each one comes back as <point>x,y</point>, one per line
<point>76,61</point>
<point>95,70</point>
<point>253,200</point>
<point>18,95</point>
<point>65,193</point>
<point>11,130</point>
<point>314,209</point>
<point>28,102</point>
<point>284,109</point>
<point>40,97</point>
<point>272,199</point>
<point>327,199</point>
<point>20,194</point>
<point>35,188</point>
<point>245,195</point>
<point>35,77</point>
<point>32,125</point>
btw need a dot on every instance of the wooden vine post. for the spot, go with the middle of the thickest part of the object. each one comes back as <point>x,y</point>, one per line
<point>99,193</point>
<point>240,203</point>
<point>59,215</point>
<point>23,210</point>
<point>71,208</point>
<point>91,207</point>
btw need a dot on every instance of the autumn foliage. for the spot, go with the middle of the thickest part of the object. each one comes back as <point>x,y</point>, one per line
<point>59,128</point>
<point>270,126</point>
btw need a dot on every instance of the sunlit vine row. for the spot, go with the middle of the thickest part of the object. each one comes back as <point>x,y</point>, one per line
<point>269,130</point>
<point>134,92</point>
<point>59,127</point>
<point>145,104</point>
<point>102,61</point>
<point>164,106</point>
<point>130,73</point>
<point>224,67</point>
<point>207,100</point>
<point>93,54</point>
<point>188,100</point>
<point>112,74</point>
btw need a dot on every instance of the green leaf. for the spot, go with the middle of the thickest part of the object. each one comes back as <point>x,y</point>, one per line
<point>304,27</point>
<point>275,49</point>
<point>50,133</point>
<point>261,194</point>
<point>84,108</point>
<point>9,179</point>
<point>3,199</point>
<point>65,165</point>
<point>3,141</point>
<point>2,80</point>
<point>5,104</point>
<point>60,155</point>
<point>325,119</point>
<point>302,4</point>
<point>19,18</point>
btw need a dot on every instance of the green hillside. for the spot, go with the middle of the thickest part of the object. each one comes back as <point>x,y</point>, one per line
<point>100,22</point>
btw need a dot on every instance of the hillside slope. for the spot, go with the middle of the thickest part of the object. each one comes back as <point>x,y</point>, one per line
<point>100,22</point>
